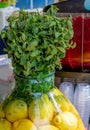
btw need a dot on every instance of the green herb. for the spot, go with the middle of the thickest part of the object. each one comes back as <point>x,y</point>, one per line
<point>28,89</point>
<point>36,42</point>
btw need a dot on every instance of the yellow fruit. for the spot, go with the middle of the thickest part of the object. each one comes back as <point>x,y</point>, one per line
<point>66,121</point>
<point>16,110</point>
<point>80,125</point>
<point>41,110</point>
<point>48,127</point>
<point>5,125</point>
<point>2,114</point>
<point>65,106</point>
<point>56,92</point>
<point>62,102</point>
<point>24,124</point>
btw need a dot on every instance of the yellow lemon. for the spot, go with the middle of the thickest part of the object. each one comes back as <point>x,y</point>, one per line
<point>24,124</point>
<point>48,127</point>
<point>59,100</point>
<point>66,121</point>
<point>16,110</point>
<point>5,125</point>
<point>2,114</point>
<point>80,125</point>
<point>41,110</point>
<point>56,91</point>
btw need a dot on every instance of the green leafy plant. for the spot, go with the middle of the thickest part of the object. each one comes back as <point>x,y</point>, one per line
<point>36,42</point>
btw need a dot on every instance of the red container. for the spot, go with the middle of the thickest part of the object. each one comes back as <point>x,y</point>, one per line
<point>78,59</point>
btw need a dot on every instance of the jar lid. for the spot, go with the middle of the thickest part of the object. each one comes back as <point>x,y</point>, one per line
<point>4,4</point>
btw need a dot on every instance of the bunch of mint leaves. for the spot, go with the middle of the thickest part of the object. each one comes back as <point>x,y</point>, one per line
<point>37,42</point>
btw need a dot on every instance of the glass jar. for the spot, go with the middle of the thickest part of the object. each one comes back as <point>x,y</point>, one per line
<point>36,104</point>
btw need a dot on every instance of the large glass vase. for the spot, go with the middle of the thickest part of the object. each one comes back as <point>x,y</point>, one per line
<point>36,104</point>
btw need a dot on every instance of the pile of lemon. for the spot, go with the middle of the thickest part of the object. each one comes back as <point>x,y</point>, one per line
<point>50,111</point>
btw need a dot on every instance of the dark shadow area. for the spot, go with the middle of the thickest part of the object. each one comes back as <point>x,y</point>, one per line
<point>70,6</point>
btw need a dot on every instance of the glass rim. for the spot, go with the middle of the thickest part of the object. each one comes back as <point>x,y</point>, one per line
<point>43,76</point>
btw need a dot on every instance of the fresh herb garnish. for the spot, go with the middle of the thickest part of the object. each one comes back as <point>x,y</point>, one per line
<point>36,42</point>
